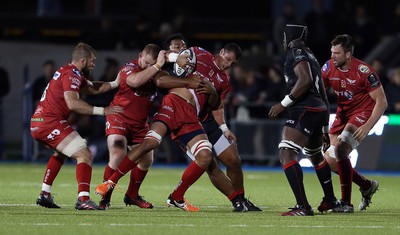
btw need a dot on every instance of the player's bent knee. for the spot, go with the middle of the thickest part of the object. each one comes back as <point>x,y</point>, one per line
<point>347,136</point>
<point>201,145</point>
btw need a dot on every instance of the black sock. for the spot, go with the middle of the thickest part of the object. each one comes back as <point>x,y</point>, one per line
<point>294,175</point>
<point>325,179</point>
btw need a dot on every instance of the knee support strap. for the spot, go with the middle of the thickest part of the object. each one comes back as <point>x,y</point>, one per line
<point>153,135</point>
<point>74,146</point>
<point>347,136</point>
<point>311,152</point>
<point>200,145</point>
<point>287,144</point>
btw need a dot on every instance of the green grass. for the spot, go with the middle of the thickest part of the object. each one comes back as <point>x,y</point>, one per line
<point>21,183</point>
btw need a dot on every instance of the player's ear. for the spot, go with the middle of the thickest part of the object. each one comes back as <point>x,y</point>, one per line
<point>348,55</point>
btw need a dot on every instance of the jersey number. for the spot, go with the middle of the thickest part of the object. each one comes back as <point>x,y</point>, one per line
<point>44,92</point>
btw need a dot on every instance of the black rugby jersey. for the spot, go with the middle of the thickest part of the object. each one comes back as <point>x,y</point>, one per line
<point>316,95</point>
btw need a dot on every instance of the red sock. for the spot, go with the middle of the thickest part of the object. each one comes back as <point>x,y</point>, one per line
<point>361,180</point>
<point>192,173</point>
<point>125,166</point>
<point>108,172</point>
<point>83,177</point>
<point>53,167</point>
<point>137,177</point>
<point>346,177</point>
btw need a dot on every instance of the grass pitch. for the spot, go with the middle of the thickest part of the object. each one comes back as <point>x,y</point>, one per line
<point>21,183</point>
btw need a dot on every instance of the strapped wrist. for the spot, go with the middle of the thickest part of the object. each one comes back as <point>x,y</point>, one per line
<point>287,101</point>
<point>223,127</point>
<point>114,84</point>
<point>98,110</point>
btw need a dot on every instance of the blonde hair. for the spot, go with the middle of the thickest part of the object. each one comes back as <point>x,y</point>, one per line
<point>82,50</point>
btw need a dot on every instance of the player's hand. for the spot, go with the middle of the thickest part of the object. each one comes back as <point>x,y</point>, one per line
<point>194,82</point>
<point>183,60</point>
<point>275,111</point>
<point>161,58</point>
<point>326,142</point>
<point>230,136</point>
<point>361,133</point>
<point>205,87</point>
<point>113,110</point>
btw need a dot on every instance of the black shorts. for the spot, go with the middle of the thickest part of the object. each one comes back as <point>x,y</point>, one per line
<point>308,121</point>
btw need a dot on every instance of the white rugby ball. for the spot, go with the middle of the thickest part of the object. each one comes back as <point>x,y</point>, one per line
<point>188,69</point>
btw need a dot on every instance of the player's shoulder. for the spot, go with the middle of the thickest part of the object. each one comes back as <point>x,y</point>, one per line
<point>361,67</point>
<point>327,66</point>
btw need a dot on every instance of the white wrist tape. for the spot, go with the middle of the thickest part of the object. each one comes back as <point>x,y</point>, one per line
<point>224,127</point>
<point>287,101</point>
<point>98,110</point>
<point>113,84</point>
<point>325,129</point>
<point>172,57</point>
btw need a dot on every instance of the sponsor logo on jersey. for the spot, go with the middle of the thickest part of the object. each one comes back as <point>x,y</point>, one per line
<point>169,108</point>
<point>334,79</point>
<point>325,67</point>
<point>75,81</point>
<point>56,75</point>
<point>290,121</point>
<point>351,82</point>
<point>307,131</point>
<point>219,78</point>
<point>363,68</point>
<point>357,119</point>
<point>373,80</point>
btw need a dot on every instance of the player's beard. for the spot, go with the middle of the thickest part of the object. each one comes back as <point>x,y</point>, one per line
<point>86,72</point>
<point>339,64</point>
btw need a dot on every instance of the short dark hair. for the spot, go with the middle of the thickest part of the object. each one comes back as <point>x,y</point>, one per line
<point>235,48</point>
<point>174,36</point>
<point>344,40</point>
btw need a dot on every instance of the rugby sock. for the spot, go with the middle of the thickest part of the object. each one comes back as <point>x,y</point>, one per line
<point>108,172</point>
<point>360,180</point>
<point>232,196</point>
<point>346,176</point>
<point>240,193</point>
<point>323,172</point>
<point>83,177</point>
<point>53,167</point>
<point>294,175</point>
<point>192,173</point>
<point>123,168</point>
<point>137,177</point>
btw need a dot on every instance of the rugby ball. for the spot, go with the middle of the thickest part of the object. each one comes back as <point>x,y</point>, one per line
<point>188,69</point>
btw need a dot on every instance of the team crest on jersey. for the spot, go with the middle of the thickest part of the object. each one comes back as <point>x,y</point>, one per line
<point>343,84</point>
<point>325,67</point>
<point>211,73</point>
<point>363,68</point>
